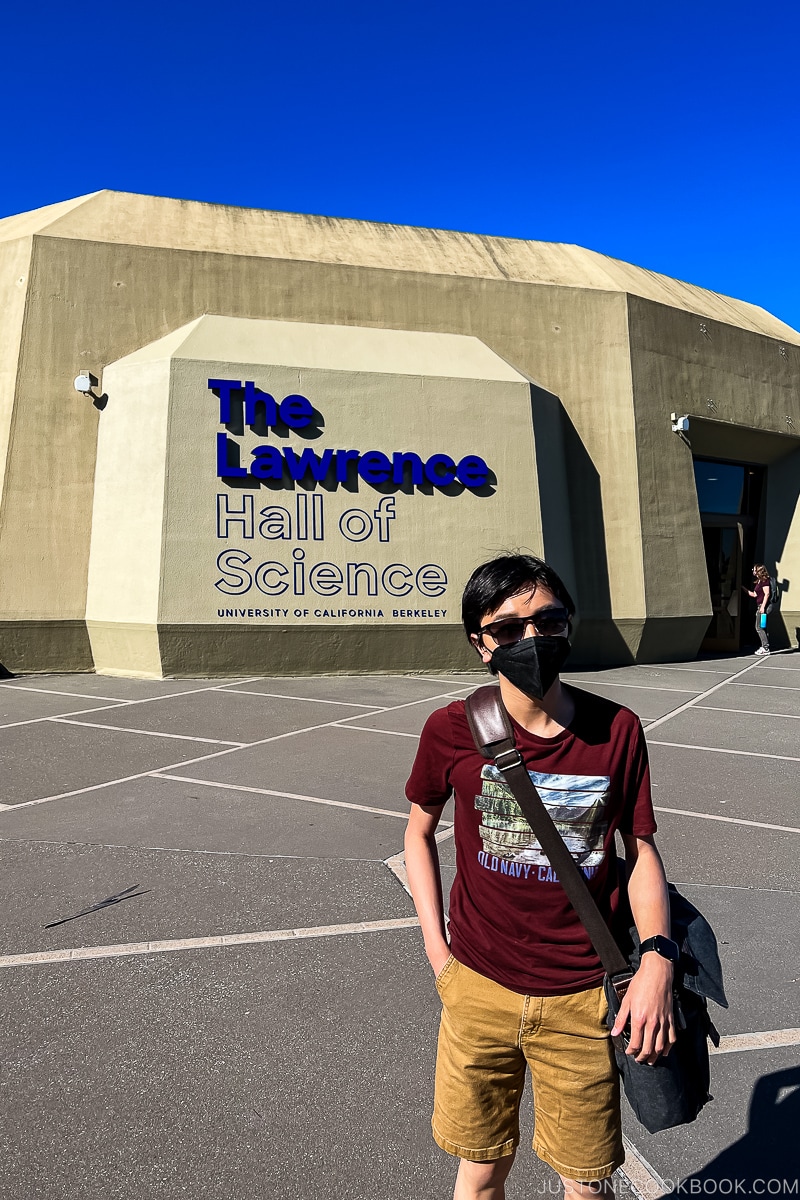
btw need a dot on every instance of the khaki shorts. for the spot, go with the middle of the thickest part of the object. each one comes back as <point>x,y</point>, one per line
<point>486,1037</point>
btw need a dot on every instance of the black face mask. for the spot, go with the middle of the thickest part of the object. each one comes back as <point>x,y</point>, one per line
<point>533,664</point>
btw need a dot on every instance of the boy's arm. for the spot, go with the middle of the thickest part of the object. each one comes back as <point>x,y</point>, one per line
<point>648,1002</point>
<point>425,882</point>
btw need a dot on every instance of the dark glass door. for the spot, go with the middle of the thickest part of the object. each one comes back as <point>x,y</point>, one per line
<point>729,497</point>
<point>723,546</point>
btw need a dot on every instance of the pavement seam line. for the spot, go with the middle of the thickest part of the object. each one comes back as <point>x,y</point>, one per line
<point>775,687</point>
<point>15,687</point>
<point>767,1039</point>
<point>737,887</point>
<point>776,668</point>
<point>702,695</point>
<point>642,687</point>
<point>181,737</point>
<point>677,667</point>
<point>438,679</point>
<point>302,699</point>
<point>78,712</point>
<point>397,865</point>
<point>724,750</point>
<point>240,787</point>
<point>685,812</point>
<point>397,862</point>
<point>749,712</point>
<point>128,949</point>
<point>94,787</point>
<point>270,855</point>
<point>367,729</point>
<point>644,1178</point>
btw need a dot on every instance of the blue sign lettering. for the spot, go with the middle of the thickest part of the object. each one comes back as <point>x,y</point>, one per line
<point>373,466</point>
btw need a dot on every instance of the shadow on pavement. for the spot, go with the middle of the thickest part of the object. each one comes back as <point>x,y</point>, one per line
<point>765,1161</point>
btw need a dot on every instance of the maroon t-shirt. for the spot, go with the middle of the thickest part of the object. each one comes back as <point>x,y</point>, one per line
<point>510,919</point>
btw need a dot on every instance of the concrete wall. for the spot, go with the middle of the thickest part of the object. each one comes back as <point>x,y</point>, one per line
<point>92,303</point>
<point>738,389</point>
<point>51,641</point>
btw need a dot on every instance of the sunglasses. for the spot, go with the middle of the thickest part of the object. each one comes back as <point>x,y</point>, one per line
<point>553,622</point>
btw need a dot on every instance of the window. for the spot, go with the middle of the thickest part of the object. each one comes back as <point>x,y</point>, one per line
<point>720,486</point>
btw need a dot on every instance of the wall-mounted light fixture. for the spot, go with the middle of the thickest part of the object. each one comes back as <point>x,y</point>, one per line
<point>679,424</point>
<point>85,383</point>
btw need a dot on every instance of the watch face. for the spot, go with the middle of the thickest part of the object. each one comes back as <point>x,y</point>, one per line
<point>667,947</point>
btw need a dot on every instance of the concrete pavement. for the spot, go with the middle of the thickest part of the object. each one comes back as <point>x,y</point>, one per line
<point>161,1060</point>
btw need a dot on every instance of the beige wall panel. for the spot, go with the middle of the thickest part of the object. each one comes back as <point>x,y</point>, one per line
<point>125,649</point>
<point>129,495</point>
<point>49,479</point>
<point>713,370</point>
<point>574,343</point>
<point>14,269</point>
<point>580,353</point>
<point>269,556</point>
<point>425,416</point>
<point>549,435</point>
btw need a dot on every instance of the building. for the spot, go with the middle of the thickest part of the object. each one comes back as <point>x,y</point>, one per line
<point>300,435</point>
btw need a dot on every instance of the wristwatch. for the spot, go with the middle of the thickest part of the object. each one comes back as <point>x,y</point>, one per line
<point>663,946</point>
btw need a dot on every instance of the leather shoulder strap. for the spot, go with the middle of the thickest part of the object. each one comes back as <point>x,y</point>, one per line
<point>488,720</point>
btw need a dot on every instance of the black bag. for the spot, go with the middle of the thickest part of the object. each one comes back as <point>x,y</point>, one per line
<point>674,1090</point>
<point>680,1090</point>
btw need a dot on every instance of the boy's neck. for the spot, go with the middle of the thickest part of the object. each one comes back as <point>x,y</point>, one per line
<point>546,717</point>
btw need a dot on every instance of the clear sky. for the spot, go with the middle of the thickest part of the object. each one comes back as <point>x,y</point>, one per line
<point>663,133</point>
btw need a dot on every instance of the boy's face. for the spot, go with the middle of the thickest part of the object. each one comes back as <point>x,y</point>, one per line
<point>533,612</point>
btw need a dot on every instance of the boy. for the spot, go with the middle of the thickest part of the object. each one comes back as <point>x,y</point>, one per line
<point>520,981</point>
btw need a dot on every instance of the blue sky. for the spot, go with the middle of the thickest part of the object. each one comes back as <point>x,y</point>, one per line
<point>665,134</point>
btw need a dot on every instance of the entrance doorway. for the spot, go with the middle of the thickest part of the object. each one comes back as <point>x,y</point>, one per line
<point>723,546</point>
<point>729,495</point>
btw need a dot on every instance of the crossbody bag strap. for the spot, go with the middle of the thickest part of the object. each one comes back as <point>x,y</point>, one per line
<point>494,737</point>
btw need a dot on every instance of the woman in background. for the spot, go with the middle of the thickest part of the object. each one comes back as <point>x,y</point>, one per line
<point>761,595</point>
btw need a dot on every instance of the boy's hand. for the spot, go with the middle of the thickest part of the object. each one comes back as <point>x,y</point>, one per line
<point>438,955</point>
<point>648,1005</point>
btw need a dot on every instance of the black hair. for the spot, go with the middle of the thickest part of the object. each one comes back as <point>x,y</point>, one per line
<point>493,582</point>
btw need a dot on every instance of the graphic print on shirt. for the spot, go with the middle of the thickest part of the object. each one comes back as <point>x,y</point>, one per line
<point>576,804</point>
